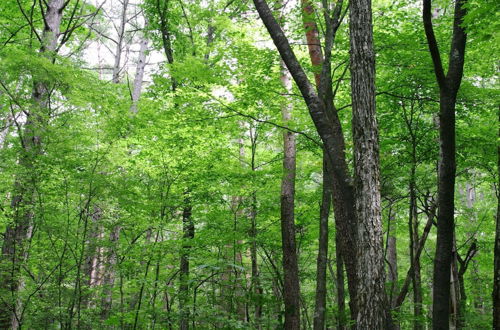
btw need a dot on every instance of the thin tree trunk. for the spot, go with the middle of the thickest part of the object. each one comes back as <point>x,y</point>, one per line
<point>188,235</point>
<point>330,131</point>
<point>409,276</point>
<point>256,285</point>
<point>392,256</point>
<point>449,85</point>
<point>291,290</point>
<point>320,304</point>
<point>413,234</point>
<point>139,72</point>
<point>342,320</point>
<point>119,43</point>
<point>108,281</point>
<point>496,270</point>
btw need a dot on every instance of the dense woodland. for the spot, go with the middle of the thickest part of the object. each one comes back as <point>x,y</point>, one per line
<point>222,164</point>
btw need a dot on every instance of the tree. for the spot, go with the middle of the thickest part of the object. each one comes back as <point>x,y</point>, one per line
<point>20,230</point>
<point>449,85</point>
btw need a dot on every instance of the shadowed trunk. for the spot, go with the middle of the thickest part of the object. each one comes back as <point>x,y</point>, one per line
<point>320,305</point>
<point>449,85</point>
<point>342,192</point>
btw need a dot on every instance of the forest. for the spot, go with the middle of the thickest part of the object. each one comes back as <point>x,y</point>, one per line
<point>237,164</point>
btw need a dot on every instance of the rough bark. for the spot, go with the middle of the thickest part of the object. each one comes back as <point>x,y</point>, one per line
<point>291,289</point>
<point>19,231</point>
<point>320,303</point>
<point>342,192</point>
<point>373,310</point>
<point>449,85</point>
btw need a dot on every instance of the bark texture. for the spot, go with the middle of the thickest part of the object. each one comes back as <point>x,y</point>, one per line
<point>291,283</point>
<point>342,192</point>
<point>371,299</point>
<point>449,85</point>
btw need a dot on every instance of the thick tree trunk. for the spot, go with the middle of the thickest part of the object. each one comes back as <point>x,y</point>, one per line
<point>320,304</point>
<point>291,289</point>
<point>373,312</point>
<point>18,232</point>
<point>449,85</point>
<point>342,192</point>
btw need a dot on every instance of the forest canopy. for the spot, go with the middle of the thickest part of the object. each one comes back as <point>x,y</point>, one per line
<point>206,164</point>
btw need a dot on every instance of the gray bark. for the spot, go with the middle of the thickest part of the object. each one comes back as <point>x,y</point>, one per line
<point>139,72</point>
<point>119,43</point>
<point>373,310</point>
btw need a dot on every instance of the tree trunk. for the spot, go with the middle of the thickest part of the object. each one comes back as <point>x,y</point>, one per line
<point>320,306</point>
<point>256,285</point>
<point>291,290</point>
<point>110,274</point>
<point>342,320</point>
<point>342,192</point>
<point>188,235</point>
<point>119,43</point>
<point>19,231</point>
<point>448,89</point>
<point>392,257</point>
<point>496,270</point>
<point>139,72</point>
<point>371,300</point>
<point>414,239</point>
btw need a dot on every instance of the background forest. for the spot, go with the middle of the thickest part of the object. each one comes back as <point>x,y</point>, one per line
<point>159,168</point>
